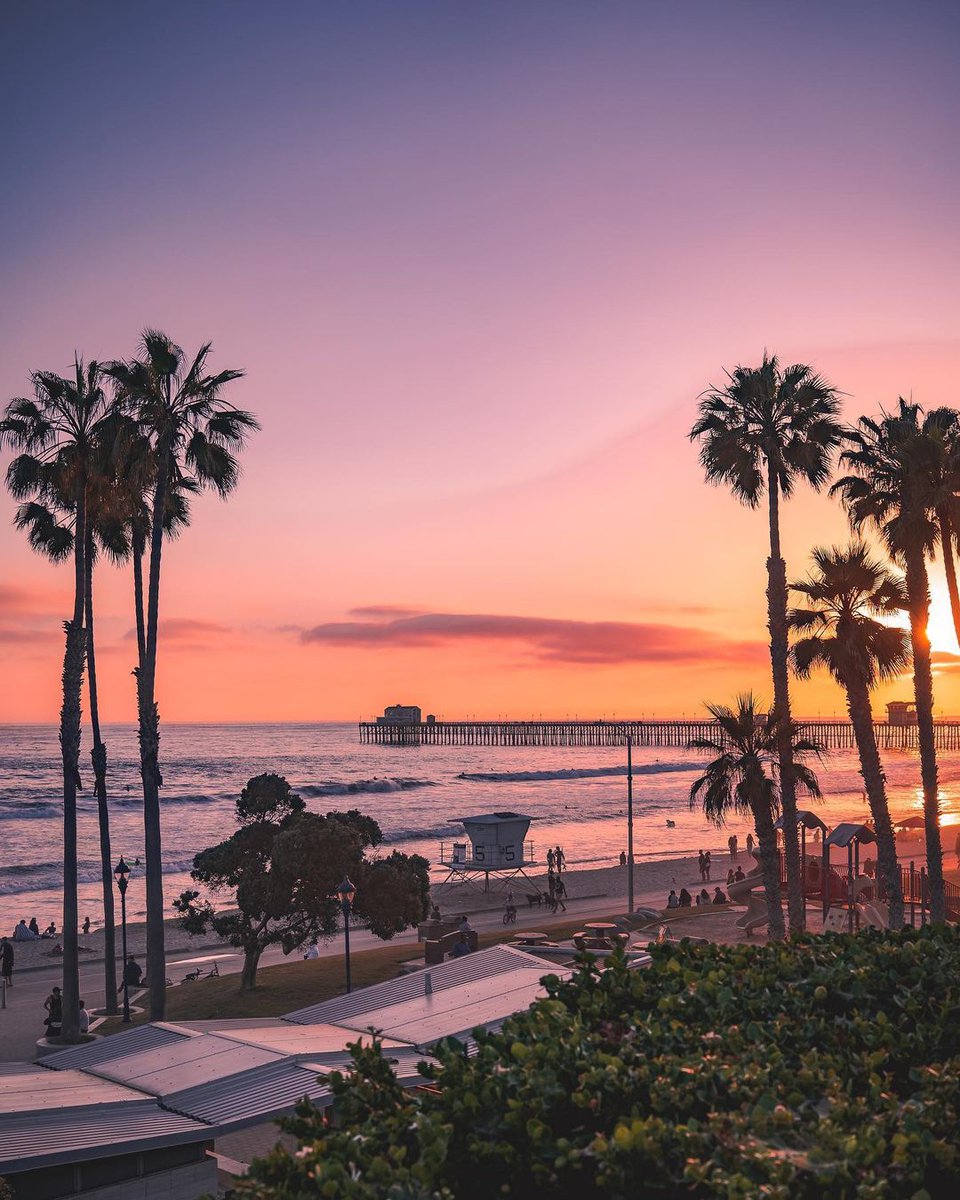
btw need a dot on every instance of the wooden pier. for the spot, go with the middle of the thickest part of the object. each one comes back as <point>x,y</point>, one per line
<point>833,735</point>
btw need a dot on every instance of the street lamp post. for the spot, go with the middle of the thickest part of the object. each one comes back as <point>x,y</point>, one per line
<point>121,870</point>
<point>630,824</point>
<point>346,891</point>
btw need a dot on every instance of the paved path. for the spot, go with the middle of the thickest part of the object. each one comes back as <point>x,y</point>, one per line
<point>21,1023</point>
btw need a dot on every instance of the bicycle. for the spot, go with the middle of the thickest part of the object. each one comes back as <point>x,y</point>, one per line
<point>199,973</point>
<point>510,916</point>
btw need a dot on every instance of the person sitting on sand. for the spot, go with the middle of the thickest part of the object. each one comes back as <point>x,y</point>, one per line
<point>704,897</point>
<point>34,927</point>
<point>50,931</point>
<point>731,876</point>
<point>739,876</point>
<point>686,900</point>
<point>23,933</point>
<point>719,897</point>
<point>672,901</point>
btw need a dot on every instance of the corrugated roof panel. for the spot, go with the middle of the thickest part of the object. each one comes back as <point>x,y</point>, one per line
<point>36,1090</point>
<point>130,1041</point>
<point>253,1096</point>
<point>70,1135</point>
<point>269,1091</point>
<point>484,963</point>
<point>188,1063</point>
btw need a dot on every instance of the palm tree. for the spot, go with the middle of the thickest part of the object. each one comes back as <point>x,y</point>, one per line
<point>841,633</point>
<point>892,489</point>
<point>768,428</point>
<point>746,777</point>
<point>941,433</point>
<point>56,433</point>
<point>193,433</point>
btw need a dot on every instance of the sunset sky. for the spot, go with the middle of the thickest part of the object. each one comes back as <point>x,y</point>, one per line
<point>477,261</point>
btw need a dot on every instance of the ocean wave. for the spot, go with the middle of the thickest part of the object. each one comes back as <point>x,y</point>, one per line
<point>20,811</point>
<point>39,877</point>
<point>356,787</point>
<point>135,799</point>
<point>573,773</point>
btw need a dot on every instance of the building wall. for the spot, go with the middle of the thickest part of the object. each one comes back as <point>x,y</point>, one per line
<point>183,1183</point>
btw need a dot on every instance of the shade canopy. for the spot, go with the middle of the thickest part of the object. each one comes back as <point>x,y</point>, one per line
<point>806,818</point>
<point>847,832</point>
<point>910,823</point>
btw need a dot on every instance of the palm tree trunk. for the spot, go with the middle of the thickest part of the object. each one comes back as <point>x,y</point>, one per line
<point>150,756</point>
<point>73,659</point>
<point>98,754</point>
<point>918,594</point>
<point>861,718</point>
<point>770,869</point>
<point>138,552</point>
<point>779,658</point>
<point>949,566</point>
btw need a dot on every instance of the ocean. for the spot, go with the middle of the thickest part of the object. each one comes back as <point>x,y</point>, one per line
<point>576,797</point>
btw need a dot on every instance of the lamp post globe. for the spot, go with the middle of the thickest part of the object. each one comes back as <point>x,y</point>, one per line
<point>121,870</point>
<point>346,891</point>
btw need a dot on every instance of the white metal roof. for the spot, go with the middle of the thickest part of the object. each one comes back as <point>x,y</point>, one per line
<point>187,1063</point>
<point>454,973</point>
<point>68,1116</point>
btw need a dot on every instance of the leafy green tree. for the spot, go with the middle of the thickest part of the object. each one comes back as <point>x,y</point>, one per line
<point>893,487</point>
<point>769,428</point>
<point>56,433</point>
<point>744,778</point>
<point>193,433</point>
<point>283,866</point>
<point>838,629</point>
<point>820,1068</point>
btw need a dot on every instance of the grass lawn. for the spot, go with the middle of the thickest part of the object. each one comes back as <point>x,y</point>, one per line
<point>296,984</point>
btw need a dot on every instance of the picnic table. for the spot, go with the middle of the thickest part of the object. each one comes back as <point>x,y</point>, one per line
<point>532,939</point>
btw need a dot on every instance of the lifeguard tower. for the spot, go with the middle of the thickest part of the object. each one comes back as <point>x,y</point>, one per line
<point>495,846</point>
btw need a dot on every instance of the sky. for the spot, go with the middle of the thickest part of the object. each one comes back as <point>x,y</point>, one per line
<point>478,261</point>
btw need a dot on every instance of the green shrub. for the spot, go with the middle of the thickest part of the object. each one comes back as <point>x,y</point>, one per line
<point>826,1067</point>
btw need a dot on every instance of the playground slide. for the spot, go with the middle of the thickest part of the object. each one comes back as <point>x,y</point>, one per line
<point>740,890</point>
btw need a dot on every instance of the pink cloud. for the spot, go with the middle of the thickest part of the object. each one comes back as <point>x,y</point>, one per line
<point>185,629</point>
<point>549,639</point>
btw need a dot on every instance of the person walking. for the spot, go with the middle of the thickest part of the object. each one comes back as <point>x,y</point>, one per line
<point>749,843</point>
<point>561,859</point>
<point>6,961</point>
<point>550,860</point>
<point>734,847</point>
<point>700,865</point>
<point>623,858</point>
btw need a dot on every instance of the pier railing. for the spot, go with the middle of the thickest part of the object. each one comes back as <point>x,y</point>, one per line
<point>833,735</point>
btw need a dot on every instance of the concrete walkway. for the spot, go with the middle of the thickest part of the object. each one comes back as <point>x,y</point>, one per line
<point>21,1023</point>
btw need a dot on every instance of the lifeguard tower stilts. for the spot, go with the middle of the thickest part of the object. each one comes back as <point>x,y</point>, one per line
<point>496,848</point>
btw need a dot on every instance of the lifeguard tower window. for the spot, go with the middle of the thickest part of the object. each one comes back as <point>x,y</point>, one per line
<point>901,712</point>
<point>495,846</point>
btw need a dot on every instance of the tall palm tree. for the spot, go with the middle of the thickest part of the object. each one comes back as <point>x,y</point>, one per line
<point>193,432</point>
<point>941,434</point>
<point>746,777</point>
<point>891,488</point>
<point>56,433</point>
<point>767,429</point>
<point>838,630</point>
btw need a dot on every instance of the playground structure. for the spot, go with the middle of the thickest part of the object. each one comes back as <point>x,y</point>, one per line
<point>495,847</point>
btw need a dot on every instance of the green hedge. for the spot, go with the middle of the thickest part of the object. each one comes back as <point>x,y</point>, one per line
<point>825,1067</point>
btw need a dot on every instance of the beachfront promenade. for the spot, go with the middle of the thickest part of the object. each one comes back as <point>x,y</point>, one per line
<point>834,735</point>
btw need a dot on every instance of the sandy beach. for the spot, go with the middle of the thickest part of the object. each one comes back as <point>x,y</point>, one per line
<point>653,882</point>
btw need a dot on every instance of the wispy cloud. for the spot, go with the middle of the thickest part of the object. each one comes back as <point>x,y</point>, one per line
<point>548,639</point>
<point>186,629</point>
<point>376,611</point>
